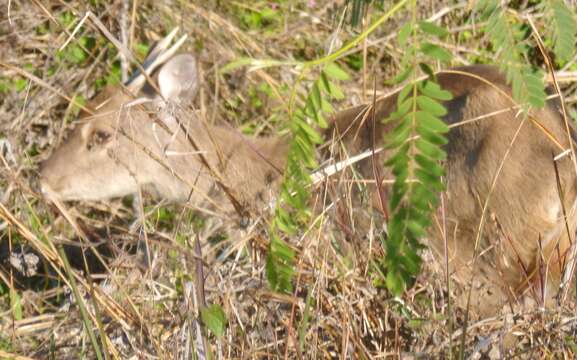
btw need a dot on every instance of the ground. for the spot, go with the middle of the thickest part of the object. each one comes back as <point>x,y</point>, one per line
<point>339,307</point>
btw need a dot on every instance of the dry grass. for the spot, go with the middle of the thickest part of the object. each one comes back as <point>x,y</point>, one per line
<point>337,311</point>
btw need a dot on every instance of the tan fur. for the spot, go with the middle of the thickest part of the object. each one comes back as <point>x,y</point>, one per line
<point>134,158</point>
<point>524,207</point>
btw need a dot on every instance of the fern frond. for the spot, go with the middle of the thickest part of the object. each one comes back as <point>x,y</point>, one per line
<point>509,41</point>
<point>419,112</point>
<point>564,29</point>
<point>416,142</point>
<point>292,209</point>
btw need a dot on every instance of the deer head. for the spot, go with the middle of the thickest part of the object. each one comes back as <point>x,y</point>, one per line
<point>127,141</point>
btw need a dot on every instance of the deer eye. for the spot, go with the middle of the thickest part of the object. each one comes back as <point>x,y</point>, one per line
<point>98,138</point>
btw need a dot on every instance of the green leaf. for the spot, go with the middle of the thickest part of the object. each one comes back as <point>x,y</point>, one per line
<point>333,71</point>
<point>75,54</point>
<point>404,33</point>
<point>279,265</point>
<point>431,106</point>
<point>400,157</point>
<point>400,77</point>
<point>433,137</point>
<point>141,49</point>
<point>432,167</point>
<point>315,97</point>
<point>434,91</point>
<point>402,97</point>
<point>433,29</point>
<point>436,52</point>
<point>214,318</point>
<point>431,122</point>
<point>321,121</point>
<point>429,180</point>
<point>399,135</point>
<point>432,151</point>
<point>416,229</point>
<point>423,198</point>
<point>535,89</point>
<point>402,110</point>
<point>427,70</point>
<point>282,250</point>
<point>15,304</point>
<point>564,29</point>
<point>19,84</point>
<point>335,91</point>
<point>233,65</point>
<point>326,106</point>
<point>395,283</point>
<point>283,222</point>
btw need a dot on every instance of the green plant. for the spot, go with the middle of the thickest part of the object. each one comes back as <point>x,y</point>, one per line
<point>416,143</point>
<point>359,7</point>
<point>214,318</point>
<point>509,37</point>
<point>564,29</point>
<point>292,209</point>
<point>292,212</point>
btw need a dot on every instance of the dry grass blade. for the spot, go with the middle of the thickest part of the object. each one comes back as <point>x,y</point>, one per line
<point>89,292</point>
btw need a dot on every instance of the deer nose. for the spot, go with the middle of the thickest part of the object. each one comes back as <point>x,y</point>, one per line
<point>45,189</point>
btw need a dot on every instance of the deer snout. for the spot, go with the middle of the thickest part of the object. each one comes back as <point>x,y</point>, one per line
<point>46,183</point>
<point>47,191</point>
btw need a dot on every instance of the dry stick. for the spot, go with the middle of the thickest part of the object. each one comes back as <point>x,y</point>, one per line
<point>543,273</point>
<point>200,296</point>
<point>132,21</point>
<point>241,37</point>
<point>56,263</point>
<point>447,273</point>
<point>8,12</point>
<point>6,355</point>
<point>62,209</point>
<point>376,172</point>
<point>561,260</point>
<point>64,28</point>
<point>125,38</point>
<point>528,275</point>
<point>121,48</point>
<point>364,75</point>
<point>289,326</point>
<point>570,270</point>
<point>44,84</point>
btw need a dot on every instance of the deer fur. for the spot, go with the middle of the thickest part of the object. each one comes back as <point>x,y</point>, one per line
<point>153,143</point>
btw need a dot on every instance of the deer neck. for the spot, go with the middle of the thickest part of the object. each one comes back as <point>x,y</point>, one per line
<point>248,169</point>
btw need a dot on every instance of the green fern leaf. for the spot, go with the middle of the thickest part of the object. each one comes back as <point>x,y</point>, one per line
<point>508,38</point>
<point>564,29</point>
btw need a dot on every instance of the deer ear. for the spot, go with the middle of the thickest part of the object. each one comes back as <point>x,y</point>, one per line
<point>178,79</point>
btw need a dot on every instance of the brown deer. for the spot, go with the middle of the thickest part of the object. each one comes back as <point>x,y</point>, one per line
<point>509,209</point>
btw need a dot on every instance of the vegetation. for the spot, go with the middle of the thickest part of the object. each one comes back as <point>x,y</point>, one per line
<point>77,288</point>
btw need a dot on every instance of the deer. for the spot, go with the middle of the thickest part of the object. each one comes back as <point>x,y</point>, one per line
<point>509,214</point>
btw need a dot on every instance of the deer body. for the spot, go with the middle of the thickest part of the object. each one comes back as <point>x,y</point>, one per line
<point>155,146</point>
<point>502,164</point>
